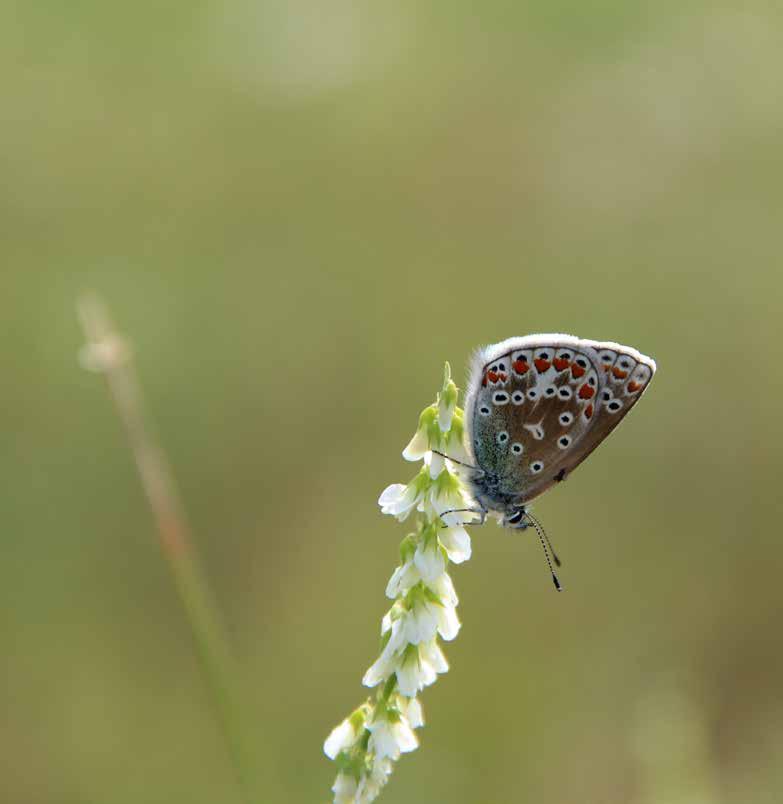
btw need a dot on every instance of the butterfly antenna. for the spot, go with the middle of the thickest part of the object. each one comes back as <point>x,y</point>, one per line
<point>557,561</point>
<point>544,541</point>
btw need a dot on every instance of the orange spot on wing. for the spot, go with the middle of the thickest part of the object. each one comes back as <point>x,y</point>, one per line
<point>633,387</point>
<point>542,365</point>
<point>503,377</point>
<point>577,371</point>
<point>607,368</point>
<point>484,381</point>
<point>586,392</point>
<point>520,366</point>
<point>561,364</point>
<point>493,376</point>
<point>589,411</point>
<point>619,373</point>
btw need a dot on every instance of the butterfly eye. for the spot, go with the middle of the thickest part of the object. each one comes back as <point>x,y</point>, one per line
<point>536,467</point>
<point>566,419</point>
<point>502,437</point>
<point>564,441</point>
<point>516,448</point>
<point>515,518</point>
<point>484,410</point>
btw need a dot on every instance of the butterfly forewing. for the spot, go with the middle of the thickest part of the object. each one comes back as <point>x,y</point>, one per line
<point>538,406</point>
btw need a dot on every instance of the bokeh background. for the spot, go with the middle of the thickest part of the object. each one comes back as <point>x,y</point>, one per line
<point>297,211</point>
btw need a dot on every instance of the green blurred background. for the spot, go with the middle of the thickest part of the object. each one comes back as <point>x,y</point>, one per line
<point>298,211</point>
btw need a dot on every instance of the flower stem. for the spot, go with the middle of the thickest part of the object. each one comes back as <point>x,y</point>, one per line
<point>107,353</point>
<point>388,688</point>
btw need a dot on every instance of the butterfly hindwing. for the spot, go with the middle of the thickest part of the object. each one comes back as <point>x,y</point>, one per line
<point>538,406</point>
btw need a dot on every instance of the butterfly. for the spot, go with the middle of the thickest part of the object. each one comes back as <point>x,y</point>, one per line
<point>535,408</point>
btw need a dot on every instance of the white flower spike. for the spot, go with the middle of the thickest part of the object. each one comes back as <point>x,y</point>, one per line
<point>367,743</point>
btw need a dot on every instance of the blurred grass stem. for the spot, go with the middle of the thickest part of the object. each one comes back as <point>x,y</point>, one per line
<point>109,354</point>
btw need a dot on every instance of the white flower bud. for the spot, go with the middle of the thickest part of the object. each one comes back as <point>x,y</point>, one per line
<point>342,737</point>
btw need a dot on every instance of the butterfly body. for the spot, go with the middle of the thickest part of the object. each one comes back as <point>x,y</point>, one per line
<point>537,406</point>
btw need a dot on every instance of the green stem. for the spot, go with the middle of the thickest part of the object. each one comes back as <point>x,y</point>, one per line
<point>388,688</point>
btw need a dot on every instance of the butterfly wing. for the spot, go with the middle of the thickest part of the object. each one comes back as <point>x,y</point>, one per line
<point>538,406</point>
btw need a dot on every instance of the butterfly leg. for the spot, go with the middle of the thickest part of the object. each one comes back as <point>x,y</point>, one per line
<point>459,463</point>
<point>482,513</point>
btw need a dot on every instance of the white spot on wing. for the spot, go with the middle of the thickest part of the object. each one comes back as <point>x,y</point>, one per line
<point>536,430</point>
